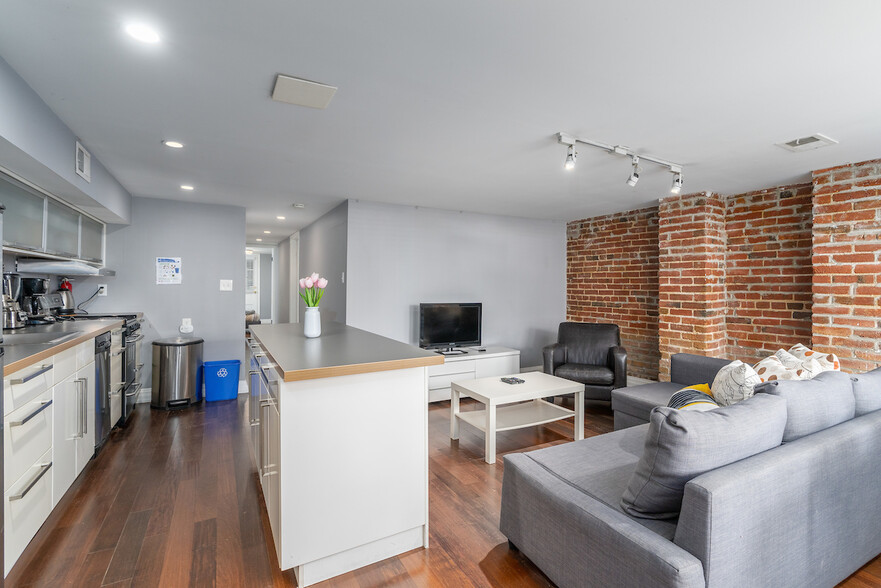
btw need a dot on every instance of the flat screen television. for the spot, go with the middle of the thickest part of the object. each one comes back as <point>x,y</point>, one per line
<point>449,325</point>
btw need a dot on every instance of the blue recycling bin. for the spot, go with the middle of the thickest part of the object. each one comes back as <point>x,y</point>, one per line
<point>221,379</point>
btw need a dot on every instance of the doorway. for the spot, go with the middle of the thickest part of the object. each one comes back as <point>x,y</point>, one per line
<point>260,287</point>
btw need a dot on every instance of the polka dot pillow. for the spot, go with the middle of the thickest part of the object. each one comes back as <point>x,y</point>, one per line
<point>828,361</point>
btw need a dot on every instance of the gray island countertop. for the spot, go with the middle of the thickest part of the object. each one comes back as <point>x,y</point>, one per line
<point>339,351</point>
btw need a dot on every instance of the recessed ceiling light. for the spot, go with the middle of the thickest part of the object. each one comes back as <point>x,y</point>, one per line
<point>280,217</point>
<point>267,232</point>
<point>186,187</point>
<point>142,32</point>
<point>299,205</point>
<point>260,240</point>
<point>173,144</point>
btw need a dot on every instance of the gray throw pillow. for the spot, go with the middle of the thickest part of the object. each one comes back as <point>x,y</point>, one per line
<point>681,445</point>
<point>813,405</point>
<point>867,392</point>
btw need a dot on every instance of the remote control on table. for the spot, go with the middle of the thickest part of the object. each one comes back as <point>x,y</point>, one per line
<point>513,380</point>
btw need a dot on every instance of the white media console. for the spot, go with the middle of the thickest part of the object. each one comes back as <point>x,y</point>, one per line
<point>495,361</point>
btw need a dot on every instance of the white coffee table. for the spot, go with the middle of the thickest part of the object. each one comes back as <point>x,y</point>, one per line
<point>507,409</point>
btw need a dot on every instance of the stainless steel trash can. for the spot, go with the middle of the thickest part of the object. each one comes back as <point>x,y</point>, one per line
<point>177,372</point>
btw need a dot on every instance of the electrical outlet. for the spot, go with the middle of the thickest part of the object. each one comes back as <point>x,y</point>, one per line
<point>102,289</point>
<point>226,285</point>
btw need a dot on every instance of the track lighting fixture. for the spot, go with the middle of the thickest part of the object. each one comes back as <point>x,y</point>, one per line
<point>570,158</point>
<point>570,142</point>
<point>677,183</point>
<point>634,175</point>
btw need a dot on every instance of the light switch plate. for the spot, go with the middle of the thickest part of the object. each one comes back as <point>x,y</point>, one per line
<point>226,285</point>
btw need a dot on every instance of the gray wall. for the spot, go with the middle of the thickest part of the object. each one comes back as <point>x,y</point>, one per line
<point>36,144</point>
<point>210,240</point>
<point>323,250</point>
<point>284,281</point>
<point>399,256</point>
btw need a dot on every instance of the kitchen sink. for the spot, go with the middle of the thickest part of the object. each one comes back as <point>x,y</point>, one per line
<point>36,338</point>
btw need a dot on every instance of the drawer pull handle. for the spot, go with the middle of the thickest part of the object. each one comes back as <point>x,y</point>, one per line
<point>43,469</point>
<point>134,339</point>
<point>120,352</point>
<point>260,355</point>
<point>43,369</point>
<point>43,406</point>
<point>137,388</point>
<point>139,367</point>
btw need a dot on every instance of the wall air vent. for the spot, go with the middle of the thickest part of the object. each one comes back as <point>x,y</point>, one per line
<point>83,163</point>
<point>302,92</point>
<point>808,143</point>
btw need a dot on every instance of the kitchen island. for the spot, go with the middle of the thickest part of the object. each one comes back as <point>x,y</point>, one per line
<point>340,437</point>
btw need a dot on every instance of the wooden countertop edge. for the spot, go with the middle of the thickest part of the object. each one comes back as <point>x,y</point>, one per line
<point>360,368</point>
<point>30,360</point>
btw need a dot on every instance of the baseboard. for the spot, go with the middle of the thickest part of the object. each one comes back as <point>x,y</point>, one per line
<point>531,368</point>
<point>146,394</point>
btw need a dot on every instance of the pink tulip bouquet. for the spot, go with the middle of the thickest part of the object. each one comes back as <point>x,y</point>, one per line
<point>313,289</point>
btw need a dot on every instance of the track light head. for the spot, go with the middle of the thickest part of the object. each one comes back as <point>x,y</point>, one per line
<point>570,159</point>
<point>634,175</point>
<point>677,184</point>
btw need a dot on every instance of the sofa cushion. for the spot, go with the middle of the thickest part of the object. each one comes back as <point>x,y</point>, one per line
<point>682,445</point>
<point>734,383</point>
<point>813,405</point>
<point>600,467</point>
<point>867,392</point>
<point>582,372</point>
<point>697,397</point>
<point>687,369</point>
<point>638,401</point>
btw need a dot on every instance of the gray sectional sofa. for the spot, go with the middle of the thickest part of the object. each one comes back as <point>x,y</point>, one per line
<point>633,404</point>
<point>805,513</point>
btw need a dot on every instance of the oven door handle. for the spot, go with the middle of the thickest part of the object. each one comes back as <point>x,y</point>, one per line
<point>137,388</point>
<point>134,339</point>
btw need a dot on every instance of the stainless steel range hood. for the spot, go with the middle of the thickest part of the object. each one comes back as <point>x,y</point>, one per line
<point>31,265</point>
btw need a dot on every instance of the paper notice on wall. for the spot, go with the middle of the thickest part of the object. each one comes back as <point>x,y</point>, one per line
<point>168,270</point>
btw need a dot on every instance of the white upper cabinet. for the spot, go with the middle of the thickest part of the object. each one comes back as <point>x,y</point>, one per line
<point>35,222</point>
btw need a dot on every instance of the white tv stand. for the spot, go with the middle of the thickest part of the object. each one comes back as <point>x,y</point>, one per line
<point>495,361</point>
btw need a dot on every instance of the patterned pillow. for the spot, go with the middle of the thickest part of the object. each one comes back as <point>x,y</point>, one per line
<point>771,368</point>
<point>734,383</point>
<point>697,397</point>
<point>828,361</point>
<point>804,369</point>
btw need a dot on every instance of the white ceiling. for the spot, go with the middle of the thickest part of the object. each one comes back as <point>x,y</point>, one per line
<point>453,104</point>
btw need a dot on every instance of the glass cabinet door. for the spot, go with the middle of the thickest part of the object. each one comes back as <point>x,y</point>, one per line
<point>23,219</point>
<point>63,234</point>
<point>91,240</point>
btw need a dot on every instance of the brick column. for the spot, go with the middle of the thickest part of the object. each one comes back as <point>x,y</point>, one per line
<point>847,264</point>
<point>691,297</point>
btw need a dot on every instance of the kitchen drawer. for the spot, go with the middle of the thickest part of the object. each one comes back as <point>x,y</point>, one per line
<point>22,517</point>
<point>85,353</point>
<point>65,364</point>
<point>23,444</point>
<point>40,377</point>
<point>453,367</point>
<point>437,382</point>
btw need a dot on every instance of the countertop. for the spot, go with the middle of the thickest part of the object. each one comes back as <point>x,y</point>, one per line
<point>339,351</point>
<point>18,356</point>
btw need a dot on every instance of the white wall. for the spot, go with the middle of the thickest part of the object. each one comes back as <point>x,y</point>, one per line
<point>210,240</point>
<point>284,281</point>
<point>399,256</point>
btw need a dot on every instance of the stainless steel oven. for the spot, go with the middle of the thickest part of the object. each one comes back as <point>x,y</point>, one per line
<point>133,366</point>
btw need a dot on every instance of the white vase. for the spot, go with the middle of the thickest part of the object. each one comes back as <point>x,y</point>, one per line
<point>312,322</point>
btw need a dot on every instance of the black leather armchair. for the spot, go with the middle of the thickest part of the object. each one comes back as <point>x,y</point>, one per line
<point>589,353</point>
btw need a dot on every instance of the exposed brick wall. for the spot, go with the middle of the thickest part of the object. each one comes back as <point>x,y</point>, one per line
<point>612,277</point>
<point>691,279</point>
<point>847,264</point>
<point>768,271</point>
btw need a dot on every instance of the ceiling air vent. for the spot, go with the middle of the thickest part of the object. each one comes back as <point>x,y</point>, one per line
<point>808,143</point>
<point>302,92</point>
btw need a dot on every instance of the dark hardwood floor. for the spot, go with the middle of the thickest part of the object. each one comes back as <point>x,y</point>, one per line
<point>173,500</point>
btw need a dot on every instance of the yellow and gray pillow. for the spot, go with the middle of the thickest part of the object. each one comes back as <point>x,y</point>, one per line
<point>697,397</point>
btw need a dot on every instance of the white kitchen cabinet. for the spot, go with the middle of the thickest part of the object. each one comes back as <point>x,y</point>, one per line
<point>272,469</point>
<point>63,230</point>
<point>495,361</point>
<point>91,240</point>
<point>73,439</point>
<point>26,504</point>
<point>23,217</point>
